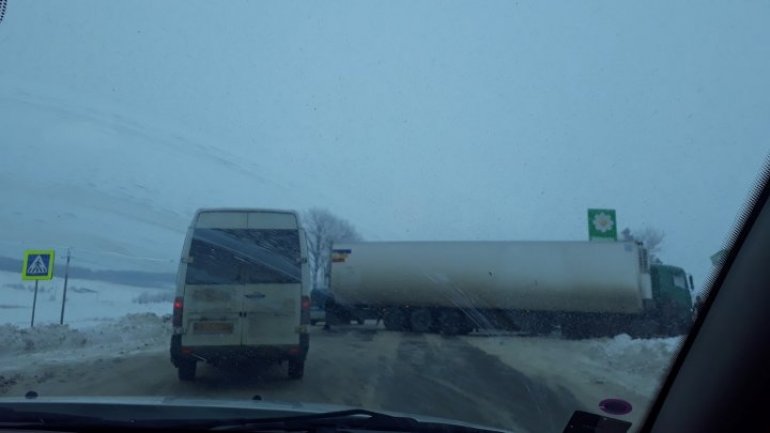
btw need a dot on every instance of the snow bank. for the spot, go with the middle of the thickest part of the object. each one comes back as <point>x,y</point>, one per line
<point>17,340</point>
<point>636,365</point>
<point>51,343</point>
<point>642,356</point>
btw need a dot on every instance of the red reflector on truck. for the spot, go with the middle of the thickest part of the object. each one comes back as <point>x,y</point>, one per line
<point>178,307</point>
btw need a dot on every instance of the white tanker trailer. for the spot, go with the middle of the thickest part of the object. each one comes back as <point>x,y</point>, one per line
<point>585,288</point>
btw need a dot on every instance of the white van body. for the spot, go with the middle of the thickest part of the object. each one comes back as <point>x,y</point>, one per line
<point>242,290</point>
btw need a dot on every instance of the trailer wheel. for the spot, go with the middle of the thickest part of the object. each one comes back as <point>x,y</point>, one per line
<point>421,320</point>
<point>395,319</point>
<point>467,327</point>
<point>573,331</point>
<point>541,327</point>
<point>577,327</point>
<point>450,322</point>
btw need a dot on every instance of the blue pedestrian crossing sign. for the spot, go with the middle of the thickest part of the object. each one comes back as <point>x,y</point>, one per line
<point>38,265</point>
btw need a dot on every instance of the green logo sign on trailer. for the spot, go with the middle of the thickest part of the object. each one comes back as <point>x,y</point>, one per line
<point>38,265</point>
<point>602,225</point>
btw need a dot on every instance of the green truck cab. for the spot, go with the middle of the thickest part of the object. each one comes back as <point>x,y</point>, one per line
<point>672,295</point>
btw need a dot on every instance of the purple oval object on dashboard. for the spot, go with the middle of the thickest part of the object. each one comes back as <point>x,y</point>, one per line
<point>615,406</point>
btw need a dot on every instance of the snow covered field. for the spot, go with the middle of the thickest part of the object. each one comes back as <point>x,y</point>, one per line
<point>89,302</point>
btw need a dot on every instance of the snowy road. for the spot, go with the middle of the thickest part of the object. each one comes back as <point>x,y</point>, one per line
<point>520,383</point>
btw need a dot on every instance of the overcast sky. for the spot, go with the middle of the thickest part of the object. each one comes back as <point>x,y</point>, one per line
<point>416,120</point>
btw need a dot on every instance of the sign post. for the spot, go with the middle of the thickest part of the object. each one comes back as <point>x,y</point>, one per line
<point>34,304</point>
<point>64,295</point>
<point>38,265</point>
<point>602,225</point>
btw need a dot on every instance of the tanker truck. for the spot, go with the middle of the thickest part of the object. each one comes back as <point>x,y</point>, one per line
<point>585,289</point>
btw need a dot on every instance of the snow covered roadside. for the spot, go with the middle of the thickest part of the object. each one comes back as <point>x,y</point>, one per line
<point>101,320</point>
<point>26,348</point>
<point>640,364</point>
<point>592,370</point>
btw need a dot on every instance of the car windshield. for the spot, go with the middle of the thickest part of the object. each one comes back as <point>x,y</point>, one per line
<point>496,213</point>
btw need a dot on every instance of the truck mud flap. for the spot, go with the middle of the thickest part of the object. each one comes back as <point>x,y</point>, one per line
<point>304,344</point>
<point>176,349</point>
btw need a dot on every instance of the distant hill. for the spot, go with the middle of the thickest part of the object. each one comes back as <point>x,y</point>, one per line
<point>132,278</point>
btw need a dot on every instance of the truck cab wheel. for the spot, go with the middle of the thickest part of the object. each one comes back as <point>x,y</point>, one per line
<point>674,328</point>
<point>395,319</point>
<point>186,370</point>
<point>643,328</point>
<point>421,320</point>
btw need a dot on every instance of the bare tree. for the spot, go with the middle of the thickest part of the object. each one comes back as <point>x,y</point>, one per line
<point>323,229</point>
<point>650,237</point>
<point>626,234</point>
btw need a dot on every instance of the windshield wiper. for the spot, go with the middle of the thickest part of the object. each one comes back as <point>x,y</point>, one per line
<point>10,418</point>
<point>360,419</point>
<point>354,419</point>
